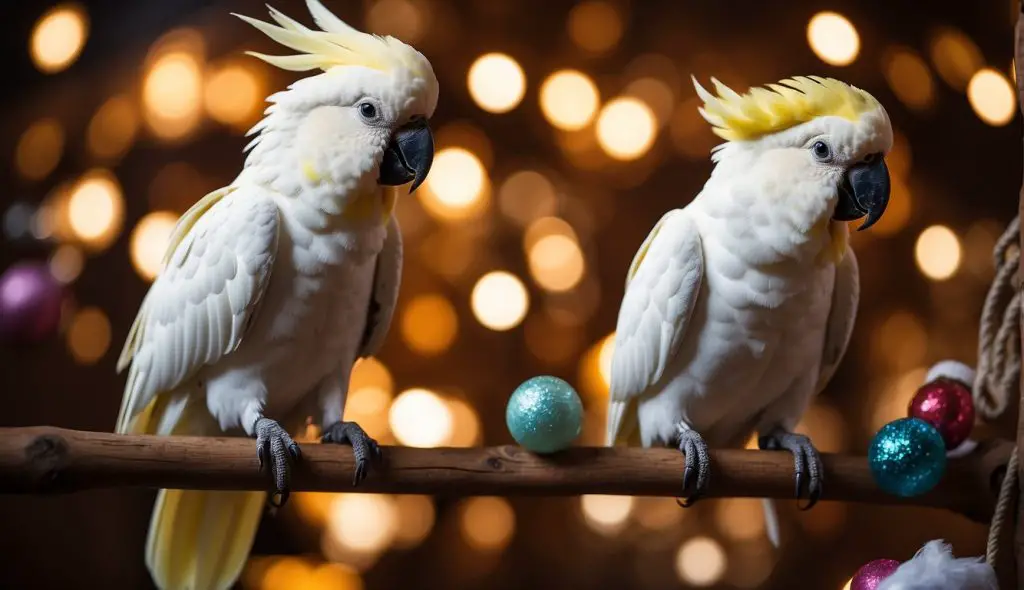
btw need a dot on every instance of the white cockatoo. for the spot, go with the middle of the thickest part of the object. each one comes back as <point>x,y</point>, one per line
<point>275,285</point>
<point>739,306</point>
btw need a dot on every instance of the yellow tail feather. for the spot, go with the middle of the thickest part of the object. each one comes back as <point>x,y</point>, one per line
<point>200,540</point>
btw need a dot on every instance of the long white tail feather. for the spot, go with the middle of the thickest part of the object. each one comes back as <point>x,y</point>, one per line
<point>771,521</point>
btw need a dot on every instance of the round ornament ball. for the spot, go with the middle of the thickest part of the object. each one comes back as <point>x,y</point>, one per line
<point>907,457</point>
<point>871,574</point>
<point>544,414</point>
<point>30,303</point>
<point>947,405</point>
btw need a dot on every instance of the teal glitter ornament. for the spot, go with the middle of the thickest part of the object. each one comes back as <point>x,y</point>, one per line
<point>544,414</point>
<point>907,457</point>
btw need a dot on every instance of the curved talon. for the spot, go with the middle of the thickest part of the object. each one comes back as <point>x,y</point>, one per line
<point>364,448</point>
<point>273,442</point>
<point>697,465</point>
<point>806,463</point>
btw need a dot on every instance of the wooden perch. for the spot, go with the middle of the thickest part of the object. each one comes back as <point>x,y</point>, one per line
<point>48,460</point>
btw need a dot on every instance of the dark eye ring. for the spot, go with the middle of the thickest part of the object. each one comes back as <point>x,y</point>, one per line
<point>368,110</point>
<point>821,151</point>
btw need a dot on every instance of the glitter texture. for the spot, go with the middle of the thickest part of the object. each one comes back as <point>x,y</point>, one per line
<point>947,405</point>
<point>871,574</point>
<point>907,457</point>
<point>544,414</point>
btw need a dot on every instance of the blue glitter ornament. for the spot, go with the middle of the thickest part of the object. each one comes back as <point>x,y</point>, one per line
<point>907,457</point>
<point>544,414</point>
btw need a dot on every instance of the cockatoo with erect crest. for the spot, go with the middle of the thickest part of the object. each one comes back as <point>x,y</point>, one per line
<point>739,306</point>
<point>274,286</point>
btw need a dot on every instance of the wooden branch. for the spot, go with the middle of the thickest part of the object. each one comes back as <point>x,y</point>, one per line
<point>48,460</point>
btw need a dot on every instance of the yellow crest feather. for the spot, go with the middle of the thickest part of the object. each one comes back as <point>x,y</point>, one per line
<point>790,102</point>
<point>336,44</point>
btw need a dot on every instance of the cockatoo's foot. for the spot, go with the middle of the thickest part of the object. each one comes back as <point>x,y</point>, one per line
<point>364,448</point>
<point>273,442</point>
<point>698,464</point>
<point>805,456</point>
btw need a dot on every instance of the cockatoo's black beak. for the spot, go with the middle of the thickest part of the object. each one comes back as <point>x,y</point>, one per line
<point>408,156</point>
<point>864,191</point>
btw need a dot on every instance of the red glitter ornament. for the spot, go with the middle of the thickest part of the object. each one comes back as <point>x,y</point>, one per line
<point>947,405</point>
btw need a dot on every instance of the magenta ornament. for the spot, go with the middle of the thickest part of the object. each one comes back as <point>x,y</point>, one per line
<point>871,574</point>
<point>30,303</point>
<point>946,404</point>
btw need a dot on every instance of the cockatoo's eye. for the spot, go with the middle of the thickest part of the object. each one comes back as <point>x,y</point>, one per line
<point>822,152</point>
<point>368,111</point>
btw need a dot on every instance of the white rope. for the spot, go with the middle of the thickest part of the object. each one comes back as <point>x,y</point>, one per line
<point>997,379</point>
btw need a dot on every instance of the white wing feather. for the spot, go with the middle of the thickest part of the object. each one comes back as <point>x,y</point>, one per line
<point>384,298</point>
<point>661,293</point>
<point>843,313</point>
<point>200,306</point>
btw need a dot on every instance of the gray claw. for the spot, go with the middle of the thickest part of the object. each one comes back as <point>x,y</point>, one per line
<point>364,448</point>
<point>806,462</point>
<point>274,442</point>
<point>698,465</point>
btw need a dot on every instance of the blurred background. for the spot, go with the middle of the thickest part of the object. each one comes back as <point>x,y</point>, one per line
<point>565,130</point>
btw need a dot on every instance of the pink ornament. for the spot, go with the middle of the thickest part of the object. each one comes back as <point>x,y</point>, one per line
<point>947,405</point>
<point>30,303</point>
<point>871,574</point>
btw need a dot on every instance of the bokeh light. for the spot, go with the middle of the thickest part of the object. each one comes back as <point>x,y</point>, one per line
<point>595,26</point>
<point>58,37</point>
<point>556,262</point>
<point>656,94</point>
<point>96,209</point>
<point>399,18</point>
<point>113,128</point>
<point>234,94</point>
<point>499,300</point>
<point>938,252</point>
<point>956,58</point>
<point>364,523</point>
<point>66,263</point>
<point>416,516</point>
<point>833,38</point>
<point>370,390</point>
<point>487,523</point>
<point>456,186</point>
<point>171,95</point>
<point>527,195</point>
<point>740,519</point>
<point>496,82</point>
<point>569,99</point>
<point>606,514</point>
<point>701,561</point>
<point>466,430</point>
<point>626,128</point>
<point>149,241</point>
<point>429,324</point>
<point>909,77</point>
<point>39,149</point>
<point>88,335</point>
<point>420,418</point>
<point>992,97</point>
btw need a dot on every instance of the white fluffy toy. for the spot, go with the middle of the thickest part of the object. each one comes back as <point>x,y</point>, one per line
<point>935,568</point>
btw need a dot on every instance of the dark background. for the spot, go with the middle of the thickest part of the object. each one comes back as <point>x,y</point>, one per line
<point>953,169</point>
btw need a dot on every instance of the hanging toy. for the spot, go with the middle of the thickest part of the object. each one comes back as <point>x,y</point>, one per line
<point>935,568</point>
<point>945,402</point>
<point>544,414</point>
<point>30,303</point>
<point>871,574</point>
<point>907,457</point>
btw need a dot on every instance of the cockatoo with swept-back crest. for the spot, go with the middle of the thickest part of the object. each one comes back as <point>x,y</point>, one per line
<point>739,307</point>
<point>275,285</point>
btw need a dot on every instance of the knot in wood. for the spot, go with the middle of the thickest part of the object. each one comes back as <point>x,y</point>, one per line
<point>47,455</point>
